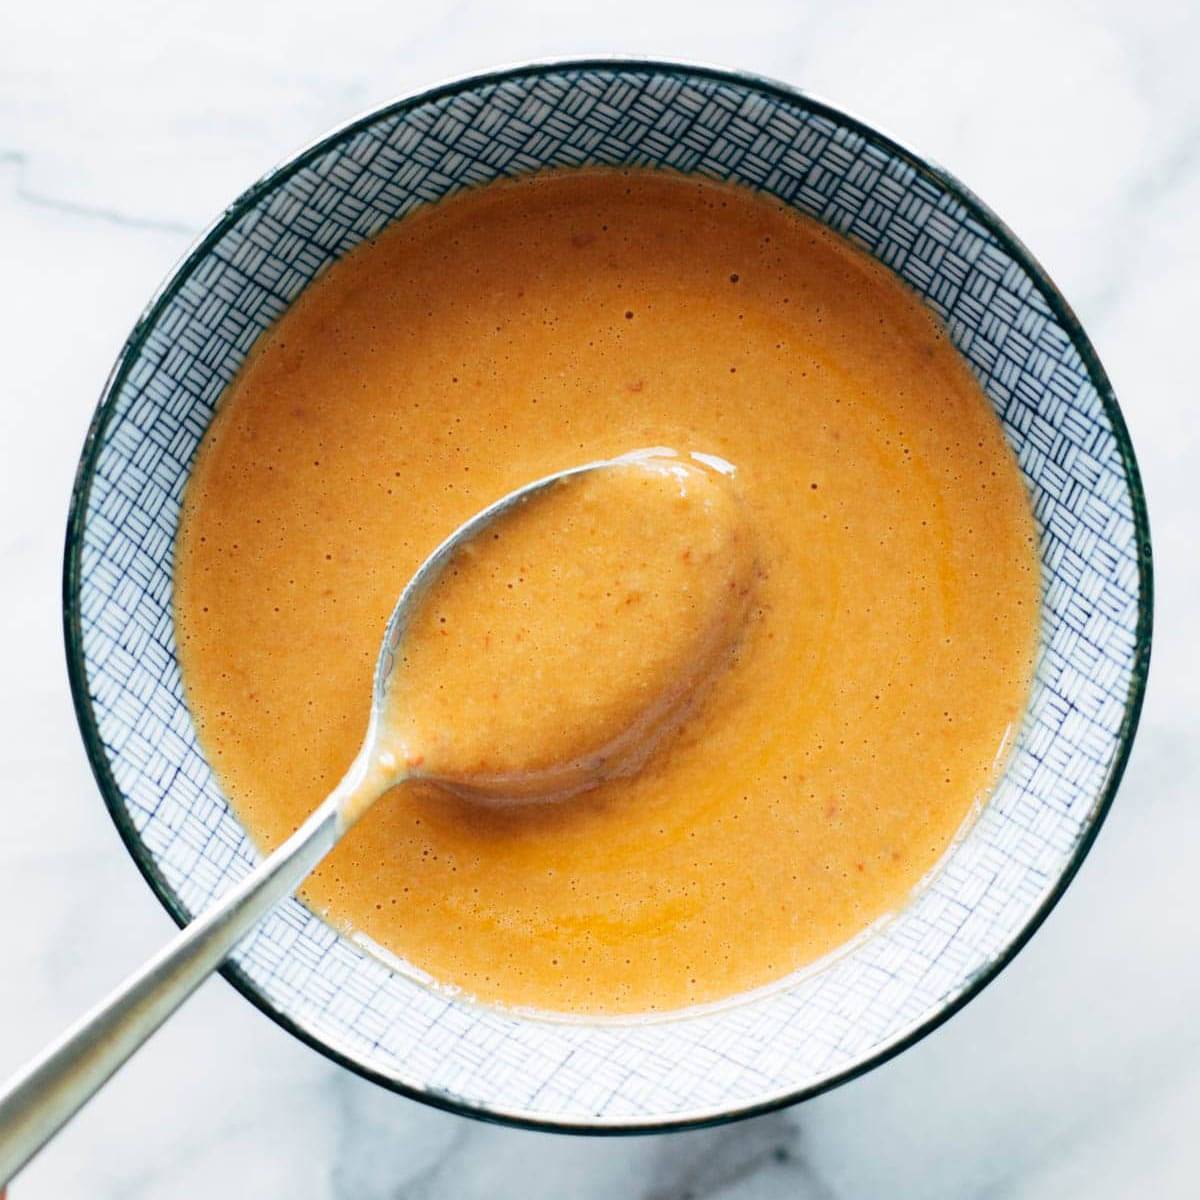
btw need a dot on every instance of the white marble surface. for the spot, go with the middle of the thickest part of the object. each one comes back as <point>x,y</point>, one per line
<point>125,127</point>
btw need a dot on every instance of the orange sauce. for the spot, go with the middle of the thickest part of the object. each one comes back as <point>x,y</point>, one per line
<point>565,642</point>
<point>530,326</point>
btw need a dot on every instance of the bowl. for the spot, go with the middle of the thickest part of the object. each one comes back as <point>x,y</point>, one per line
<point>995,885</point>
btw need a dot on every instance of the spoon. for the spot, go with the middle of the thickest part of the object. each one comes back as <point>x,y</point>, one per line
<point>42,1097</point>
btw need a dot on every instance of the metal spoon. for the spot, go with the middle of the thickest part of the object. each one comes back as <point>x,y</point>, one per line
<point>40,1099</point>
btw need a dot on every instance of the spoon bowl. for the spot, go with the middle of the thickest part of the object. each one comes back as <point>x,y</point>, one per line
<point>551,643</point>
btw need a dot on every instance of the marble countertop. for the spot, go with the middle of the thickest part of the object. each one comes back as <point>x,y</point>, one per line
<point>125,127</point>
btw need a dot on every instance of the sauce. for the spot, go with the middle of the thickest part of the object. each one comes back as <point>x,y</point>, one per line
<point>559,647</point>
<point>510,332</point>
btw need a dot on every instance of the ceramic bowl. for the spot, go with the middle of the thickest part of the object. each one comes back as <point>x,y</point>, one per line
<point>1037,368</point>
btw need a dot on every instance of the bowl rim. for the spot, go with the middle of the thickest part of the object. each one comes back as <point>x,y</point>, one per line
<point>182,270</point>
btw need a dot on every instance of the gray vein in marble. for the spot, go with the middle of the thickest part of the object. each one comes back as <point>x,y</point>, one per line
<point>732,1154</point>
<point>20,161</point>
<point>375,1155</point>
<point>424,1185</point>
<point>1171,169</point>
<point>1138,1091</point>
<point>147,1182</point>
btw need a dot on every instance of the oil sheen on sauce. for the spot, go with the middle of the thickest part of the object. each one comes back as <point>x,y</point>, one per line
<point>529,326</point>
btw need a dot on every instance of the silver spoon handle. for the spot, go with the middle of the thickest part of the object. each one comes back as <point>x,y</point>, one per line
<point>40,1099</point>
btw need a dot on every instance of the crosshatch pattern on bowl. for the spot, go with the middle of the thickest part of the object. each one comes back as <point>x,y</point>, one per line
<point>829,1022</point>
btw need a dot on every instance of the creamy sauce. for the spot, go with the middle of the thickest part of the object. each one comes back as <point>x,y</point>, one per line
<point>560,647</point>
<point>511,332</point>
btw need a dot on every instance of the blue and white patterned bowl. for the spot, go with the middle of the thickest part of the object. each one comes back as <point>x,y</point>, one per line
<point>1039,371</point>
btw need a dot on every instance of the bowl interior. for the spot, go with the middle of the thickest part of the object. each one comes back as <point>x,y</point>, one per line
<point>1038,370</point>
